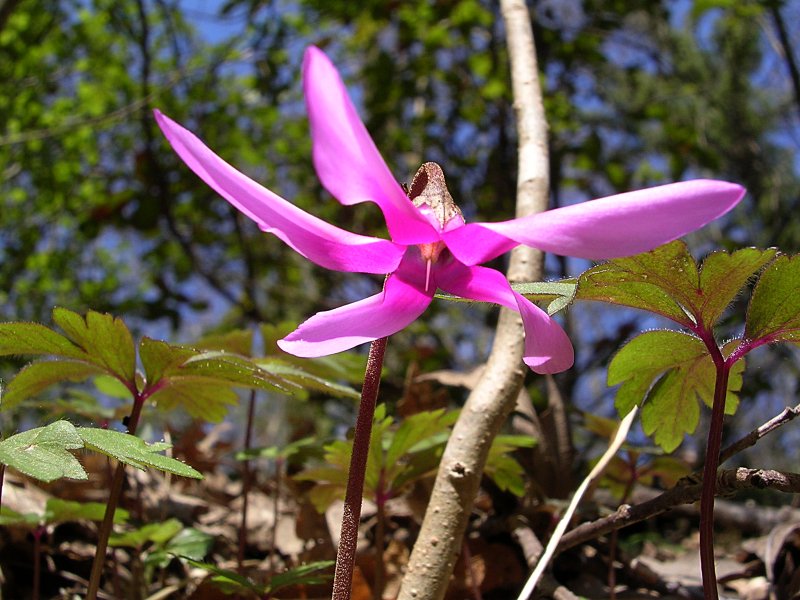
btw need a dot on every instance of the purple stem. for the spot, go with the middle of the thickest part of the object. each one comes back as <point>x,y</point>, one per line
<point>346,556</point>
<point>114,495</point>
<point>713,446</point>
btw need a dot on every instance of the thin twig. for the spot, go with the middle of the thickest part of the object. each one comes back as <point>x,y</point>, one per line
<point>596,472</point>
<point>779,420</point>
<point>728,482</point>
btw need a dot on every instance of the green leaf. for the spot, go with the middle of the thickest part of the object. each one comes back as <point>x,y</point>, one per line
<point>42,453</point>
<point>659,281</point>
<point>201,399</point>
<point>201,381</point>
<point>774,311</point>
<point>666,281</point>
<point>155,533</point>
<point>38,376</point>
<point>112,387</point>
<point>284,452</point>
<point>723,276</point>
<point>190,542</point>
<point>228,368</point>
<point>343,366</point>
<point>414,430</point>
<point>667,372</point>
<point>60,511</point>
<point>556,295</point>
<point>308,574</point>
<point>238,341</point>
<point>33,338</point>
<point>305,379</point>
<point>502,468</point>
<point>134,451</point>
<point>12,517</point>
<point>105,339</point>
<point>158,357</point>
<point>229,581</point>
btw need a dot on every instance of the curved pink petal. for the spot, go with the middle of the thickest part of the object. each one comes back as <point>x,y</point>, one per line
<point>618,225</point>
<point>321,242</point>
<point>402,300</point>
<point>347,162</point>
<point>547,347</point>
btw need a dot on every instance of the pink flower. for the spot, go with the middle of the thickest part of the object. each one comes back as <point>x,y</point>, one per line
<point>427,251</point>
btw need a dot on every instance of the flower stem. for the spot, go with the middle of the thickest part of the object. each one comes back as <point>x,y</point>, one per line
<point>113,499</point>
<point>713,446</point>
<point>247,477</point>
<point>346,555</point>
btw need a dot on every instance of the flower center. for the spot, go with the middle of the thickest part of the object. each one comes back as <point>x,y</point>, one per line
<point>430,254</point>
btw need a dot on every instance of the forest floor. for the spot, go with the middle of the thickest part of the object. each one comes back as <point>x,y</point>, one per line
<point>758,546</point>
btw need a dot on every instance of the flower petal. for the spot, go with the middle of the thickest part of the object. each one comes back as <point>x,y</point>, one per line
<point>347,161</point>
<point>402,300</point>
<point>618,225</point>
<point>317,240</point>
<point>547,347</point>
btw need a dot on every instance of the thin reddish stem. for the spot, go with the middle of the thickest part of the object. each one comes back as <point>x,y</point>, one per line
<point>713,446</point>
<point>346,555</point>
<point>113,500</point>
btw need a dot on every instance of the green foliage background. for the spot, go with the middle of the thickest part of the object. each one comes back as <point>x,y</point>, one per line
<point>98,213</point>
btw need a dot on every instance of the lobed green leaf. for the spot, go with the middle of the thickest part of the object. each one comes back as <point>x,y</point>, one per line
<point>305,379</point>
<point>667,372</point>
<point>38,376</point>
<point>134,451</point>
<point>774,310</point>
<point>105,339</point>
<point>33,338</point>
<point>43,452</point>
<point>667,281</point>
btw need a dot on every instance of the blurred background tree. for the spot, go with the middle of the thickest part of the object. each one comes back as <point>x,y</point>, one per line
<point>98,213</point>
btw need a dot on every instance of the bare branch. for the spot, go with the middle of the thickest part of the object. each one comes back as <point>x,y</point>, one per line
<point>493,398</point>
<point>728,482</point>
<point>786,415</point>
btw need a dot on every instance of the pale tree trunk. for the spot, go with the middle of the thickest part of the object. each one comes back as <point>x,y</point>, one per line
<point>493,398</point>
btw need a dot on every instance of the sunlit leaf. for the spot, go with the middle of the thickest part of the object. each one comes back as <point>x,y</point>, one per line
<point>38,376</point>
<point>155,533</point>
<point>134,451</point>
<point>238,341</point>
<point>667,372</point>
<point>105,339</point>
<point>502,468</point>
<point>157,357</point>
<point>774,311</point>
<point>60,511</point>
<point>555,295</point>
<point>201,399</point>
<point>305,379</point>
<point>33,338</point>
<point>667,281</point>
<point>43,453</point>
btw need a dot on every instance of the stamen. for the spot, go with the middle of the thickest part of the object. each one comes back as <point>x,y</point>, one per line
<point>427,273</point>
